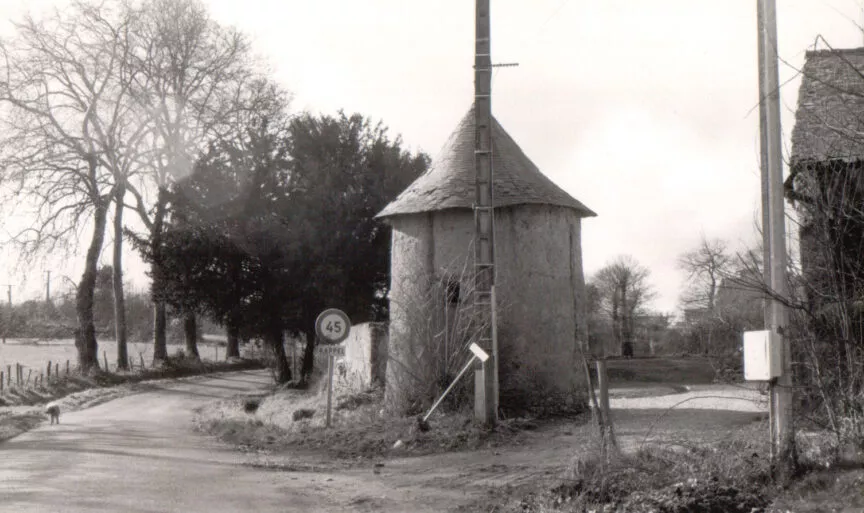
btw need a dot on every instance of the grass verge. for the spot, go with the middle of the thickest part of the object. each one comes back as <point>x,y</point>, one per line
<point>359,429</point>
<point>21,410</point>
<point>729,477</point>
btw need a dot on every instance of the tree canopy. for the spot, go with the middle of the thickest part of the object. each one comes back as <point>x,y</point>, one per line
<point>273,227</point>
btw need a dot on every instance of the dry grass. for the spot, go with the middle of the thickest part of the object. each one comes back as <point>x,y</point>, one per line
<point>360,429</point>
<point>831,477</point>
<point>837,489</point>
<point>732,475</point>
<point>726,477</point>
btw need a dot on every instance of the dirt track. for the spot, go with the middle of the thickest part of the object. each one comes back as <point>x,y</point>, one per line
<point>138,454</point>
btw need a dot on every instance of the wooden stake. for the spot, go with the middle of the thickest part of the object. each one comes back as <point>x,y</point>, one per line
<point>49,369</point>
<point>606,410</point>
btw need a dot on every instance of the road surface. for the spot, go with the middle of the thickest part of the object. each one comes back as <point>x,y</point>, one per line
<point>138,454</point>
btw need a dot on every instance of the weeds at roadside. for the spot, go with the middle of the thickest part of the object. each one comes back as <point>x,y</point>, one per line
<point>360,430</point>
<point>728,477</point>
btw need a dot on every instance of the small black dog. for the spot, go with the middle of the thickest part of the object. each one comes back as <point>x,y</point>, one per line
<point>54,411</point>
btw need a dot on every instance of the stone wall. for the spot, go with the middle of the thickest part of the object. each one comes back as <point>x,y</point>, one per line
<point>365,357</point>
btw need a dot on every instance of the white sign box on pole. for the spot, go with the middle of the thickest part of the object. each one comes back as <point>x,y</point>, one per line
<point>763,355</point>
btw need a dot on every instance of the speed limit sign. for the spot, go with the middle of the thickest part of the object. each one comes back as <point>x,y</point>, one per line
<point>332,326</point>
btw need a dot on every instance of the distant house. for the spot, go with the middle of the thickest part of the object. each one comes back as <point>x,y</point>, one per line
<point>695,315</point>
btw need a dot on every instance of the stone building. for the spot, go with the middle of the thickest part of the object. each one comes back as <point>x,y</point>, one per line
<point>825,181</point>
<point>539,279</point>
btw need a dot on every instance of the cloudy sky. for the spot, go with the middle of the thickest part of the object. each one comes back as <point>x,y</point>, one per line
<point>642,110</point>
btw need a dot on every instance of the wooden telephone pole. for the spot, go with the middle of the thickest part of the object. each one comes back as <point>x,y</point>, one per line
<point>782,432</point>
<point>485,381</point>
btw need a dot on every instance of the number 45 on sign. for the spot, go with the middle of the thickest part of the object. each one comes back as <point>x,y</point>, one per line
<point>332,326</point>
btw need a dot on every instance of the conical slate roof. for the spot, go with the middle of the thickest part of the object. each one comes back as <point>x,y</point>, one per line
<point>830,107</point>
<point>450,181</point>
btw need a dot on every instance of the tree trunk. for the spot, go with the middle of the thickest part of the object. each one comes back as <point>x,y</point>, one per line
<point>119,297</point>
<point>275,339</point>
<point>160,341</point>
<point>616,321</point>
<point>160,324</point>
<point>190,330</point>
<point>233,349</point>
<point>308,355</point>
<point>85,335</point>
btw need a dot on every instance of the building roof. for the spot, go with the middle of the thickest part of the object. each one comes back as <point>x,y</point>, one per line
<point>829,122</point>
<point>450,181</point>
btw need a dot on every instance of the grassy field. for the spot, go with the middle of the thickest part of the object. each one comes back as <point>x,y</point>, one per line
<point>35,354</point>
<point>688,371</point>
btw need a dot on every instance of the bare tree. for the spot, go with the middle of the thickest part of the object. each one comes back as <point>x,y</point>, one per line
<point>70,139</point>
<point>625,292</point>
<point>191,76</point>
<point>705,266</point>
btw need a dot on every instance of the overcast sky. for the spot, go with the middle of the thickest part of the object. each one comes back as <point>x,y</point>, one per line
<point>643,110</point>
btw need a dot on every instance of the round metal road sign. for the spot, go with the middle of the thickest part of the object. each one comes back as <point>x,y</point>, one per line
<point>332,326</point>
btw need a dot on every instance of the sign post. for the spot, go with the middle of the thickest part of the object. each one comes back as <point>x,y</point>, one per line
<point>332,327</point>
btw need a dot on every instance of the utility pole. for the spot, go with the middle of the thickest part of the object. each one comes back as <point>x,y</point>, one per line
<point>782,436</point>
<point>485,402</point>
<point>766,198</point>
<point>48,287</point>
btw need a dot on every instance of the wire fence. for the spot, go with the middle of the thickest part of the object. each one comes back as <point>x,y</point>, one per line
<point>17,376</point>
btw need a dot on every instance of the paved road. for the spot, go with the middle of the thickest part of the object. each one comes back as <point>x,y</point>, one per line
<point>138,455</point>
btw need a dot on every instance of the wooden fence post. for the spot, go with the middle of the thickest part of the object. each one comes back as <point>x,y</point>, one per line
<point>67,367</point>
<point>605,410</point>
<point>9,376</point>
<point>29,373</point>
<point>141,356</point>
<point>105,359</point>
<point>41,379</point>
<point>49,370</point>
<point>1,381</point>
<point>57,370</point>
